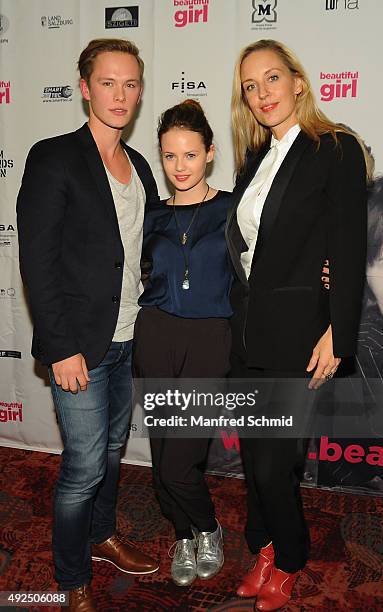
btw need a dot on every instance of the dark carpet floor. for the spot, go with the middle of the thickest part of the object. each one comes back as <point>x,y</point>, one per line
<point>345,571</point>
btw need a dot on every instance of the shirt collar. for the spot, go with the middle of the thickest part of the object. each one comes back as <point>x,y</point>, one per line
<point>287,139</point>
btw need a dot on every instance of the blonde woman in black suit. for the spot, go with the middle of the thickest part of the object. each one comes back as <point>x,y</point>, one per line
<point>299,199</point>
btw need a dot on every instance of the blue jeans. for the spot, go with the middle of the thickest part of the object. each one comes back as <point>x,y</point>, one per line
<point>93,426</point>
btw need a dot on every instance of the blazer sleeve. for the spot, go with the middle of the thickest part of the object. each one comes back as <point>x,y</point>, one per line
<point>347,241</point>
<point>41,210</point>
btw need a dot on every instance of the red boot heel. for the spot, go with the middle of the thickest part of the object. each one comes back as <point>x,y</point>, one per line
<point>256,577</point>
<point>276,592</point>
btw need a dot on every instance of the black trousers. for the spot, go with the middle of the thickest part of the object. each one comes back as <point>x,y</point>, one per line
<point>167,346</point>
<point>273,470</point>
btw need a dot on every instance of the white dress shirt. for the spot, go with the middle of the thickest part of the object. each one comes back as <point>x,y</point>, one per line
<point>251,205</point>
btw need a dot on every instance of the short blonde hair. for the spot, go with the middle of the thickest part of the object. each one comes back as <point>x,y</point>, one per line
<point>102,45</point>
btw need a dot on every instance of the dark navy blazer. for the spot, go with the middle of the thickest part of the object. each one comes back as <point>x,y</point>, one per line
<point>71,253</point>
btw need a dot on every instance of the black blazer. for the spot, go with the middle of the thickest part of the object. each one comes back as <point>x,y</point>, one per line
<point>315,210</point>
<point>71,253</point>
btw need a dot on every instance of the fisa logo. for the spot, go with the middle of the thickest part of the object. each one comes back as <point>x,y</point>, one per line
<point>190,11</point>
<point>264,14</point>
<point>121,17</point>
<point>57,93</point>
<point>338,85</point>
<point>191,88</point>
<point>7,234</point>
<point>5,92</point>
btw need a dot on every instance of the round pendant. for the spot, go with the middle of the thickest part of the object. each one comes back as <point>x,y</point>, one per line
<point>185,284</point>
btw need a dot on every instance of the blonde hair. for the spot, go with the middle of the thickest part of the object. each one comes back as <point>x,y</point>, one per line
<point>249,134</point>
<point>102,45</point>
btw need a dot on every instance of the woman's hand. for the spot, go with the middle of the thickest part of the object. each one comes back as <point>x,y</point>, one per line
<point>324,361</point>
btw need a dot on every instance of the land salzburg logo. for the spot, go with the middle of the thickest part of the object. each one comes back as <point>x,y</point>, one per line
<point>55,22</point>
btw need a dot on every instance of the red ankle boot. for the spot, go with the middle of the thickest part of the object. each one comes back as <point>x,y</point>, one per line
<point>256,577</point>
<point>276,591</point>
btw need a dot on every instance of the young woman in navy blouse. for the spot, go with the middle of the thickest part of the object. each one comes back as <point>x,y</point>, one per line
<point>299,199</point>
<point>182,329</point>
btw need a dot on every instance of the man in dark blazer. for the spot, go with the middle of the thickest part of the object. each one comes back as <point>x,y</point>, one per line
<point>80,214</point>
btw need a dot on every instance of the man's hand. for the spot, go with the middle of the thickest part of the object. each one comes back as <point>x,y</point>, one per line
<point>324,361</point>
<point>71,372</point>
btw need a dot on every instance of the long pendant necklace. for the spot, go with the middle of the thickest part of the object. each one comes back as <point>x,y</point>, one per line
<point>183,238</point>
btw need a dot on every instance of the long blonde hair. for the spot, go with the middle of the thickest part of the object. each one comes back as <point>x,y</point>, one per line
<point>249,134</point>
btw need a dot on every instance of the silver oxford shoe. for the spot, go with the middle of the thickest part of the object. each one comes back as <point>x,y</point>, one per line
<point>183,569</point>
<point>210,553</point>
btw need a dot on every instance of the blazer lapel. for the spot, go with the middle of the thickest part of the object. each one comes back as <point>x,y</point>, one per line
<point>97,170</point>
<point>235,242</point>
<point>277,191</point>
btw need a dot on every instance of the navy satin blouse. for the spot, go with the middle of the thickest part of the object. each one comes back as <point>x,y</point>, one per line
<point>205,252</point>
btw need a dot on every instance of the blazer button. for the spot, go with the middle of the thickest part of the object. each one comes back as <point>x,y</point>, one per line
<point>118,265</point>
<point>115,299</point>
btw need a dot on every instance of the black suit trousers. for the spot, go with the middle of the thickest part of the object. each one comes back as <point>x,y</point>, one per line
<point>167,346</point>
<point>273,470</point>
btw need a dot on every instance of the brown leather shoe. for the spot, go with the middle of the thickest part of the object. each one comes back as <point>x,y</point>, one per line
<point>81,600</point>
<point>125,557</point>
